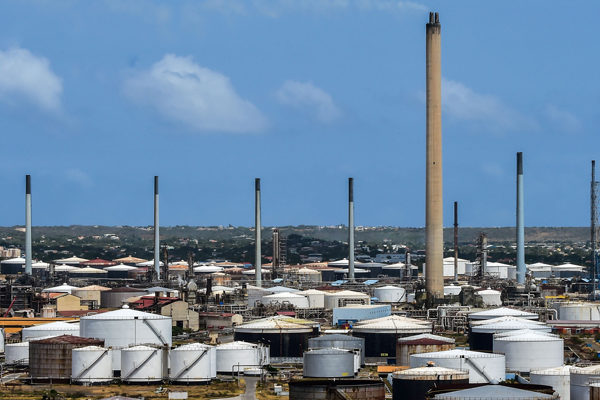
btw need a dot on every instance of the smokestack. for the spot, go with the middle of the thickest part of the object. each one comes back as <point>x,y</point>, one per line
<point>434,227</point>
<point>28,250</point>
<point>257,228</point>
<point>351,229</point>
<point>521,269</point>
<point>594,219</point>
<point>156,232</point>
<point>455,241</point>
<point>276,254</point>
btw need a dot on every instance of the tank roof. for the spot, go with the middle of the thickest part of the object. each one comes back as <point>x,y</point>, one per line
<point>502,312</point>
<point>54,326</point>
<point>328,350</point>
<point>139,348</point>
<point>277,324</point>
<point>390,323</point>
<point>499,392</point>
<point>124,313</point>
<point>528,337</point>
<point>457,353</point>
<point>509,325</point>
<point>284,295</point>
<point>70,339</point>
<point>338,337</point>
<point>426,338</point>
<point>240,344</point>
<point>192,346</point>
<point>126,289</point>
<point>563,370</point>
<point>90,348</point>
<point>432,371</point>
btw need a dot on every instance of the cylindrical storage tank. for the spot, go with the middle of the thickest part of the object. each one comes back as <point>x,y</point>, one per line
<point>581,379</point>
<point>17,353</point>
<point>115,298</point>
<point>126,327</point>
<point>2,339</point>
<point>390,294</point>
<point>50,359</point>
<point>559,378</point>
<point>284,298</point>
<point>143,364</point>
<point>328,275</point>
<point>497,392</point>
<point>490,297</point>
<point>306,274</point>
<point>579,311</point>
<point>423,343</point>
<point>234,357</point>
<point>381,335</point>
<point>12,266</point>
<point>284,337</point>
<point>316,298</point>
<point>530,351</point>
<point>452,290</point>
<point>594,391</point>
<point>502,312</point>
<point>414,383</point>
<point>339,341</point>
<point>303,389</point>
<point>481,337</point>
<point>483,367</point>
<point>194,362</point>
<point>50,329</point>
<point>329,363</point>
<point>91,364</point>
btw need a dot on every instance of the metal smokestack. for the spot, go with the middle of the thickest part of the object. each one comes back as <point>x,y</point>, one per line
<point>28,250</point>
<point>455,241</point>
<point>351,229</point>
<point>156,232</point>
<point>434,280</point>
<point>521,269</point>
<point>257,228</point>
<point>594,228</point>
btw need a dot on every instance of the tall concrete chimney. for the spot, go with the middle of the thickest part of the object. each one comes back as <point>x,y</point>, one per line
<point>521,269</point>
<point>455,241</point>
<point>28,250</point>
<point>434,280</point>
<point>156,232</point>
<point>257,228</point>
<point>351,229</point>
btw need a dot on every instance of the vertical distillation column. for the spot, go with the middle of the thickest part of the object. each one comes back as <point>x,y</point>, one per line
<point>28,250</point>
<point>156,232</point>
<point>257,228</point>
<point>351,229</point>
<point>434,280</point>
<point>521,269</point>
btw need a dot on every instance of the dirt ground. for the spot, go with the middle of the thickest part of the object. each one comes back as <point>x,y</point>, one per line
<point>65,391</point>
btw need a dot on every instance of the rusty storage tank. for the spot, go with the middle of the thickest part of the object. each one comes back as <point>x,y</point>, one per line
<point>423,343</point>
<point>329,389</point>
<point>594,391</point>
<point>414,383</point>
<point>50,359</point>
<point>114,298</point>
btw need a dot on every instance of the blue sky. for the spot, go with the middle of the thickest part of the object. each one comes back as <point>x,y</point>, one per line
<point>98,97</point>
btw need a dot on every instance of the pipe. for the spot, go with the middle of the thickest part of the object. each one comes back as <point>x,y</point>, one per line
<point>257,228</point>
<point>434,224</point>
<point>156,232</point>
<point>28,250</point>
<point>351,229</point>
<point>521,269</point>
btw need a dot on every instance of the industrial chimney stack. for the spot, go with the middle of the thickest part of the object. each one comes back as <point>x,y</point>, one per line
<point>351,229</point>
<point>434,280</point>
<point>156,232</point>
<point>521,269</point>
<point>257,228</point>
<point>28,249</point>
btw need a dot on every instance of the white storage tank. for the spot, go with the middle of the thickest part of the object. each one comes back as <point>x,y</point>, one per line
<point>530,350</point>
<point>490,297</point>
<point>339,341</point>
<point>390,294</point>
<point>143,364</point>
<point>237,356</point>
<point>483,367</point>
<point>17,353</point>
<point>581,379</point>
<point>91,364</point>
<point>2,339</point>
<point>502,312</point>
<point>493,392</point>
<point>284,298</point>
<point>579,311</point>
<point>559,378</point>
<point>316,298</point>
<point>125,327</point>
<point>194,362</point>
<point>329,363</point>
<point>345,297</point>
<point>481,336</point>
<point>58,328</point>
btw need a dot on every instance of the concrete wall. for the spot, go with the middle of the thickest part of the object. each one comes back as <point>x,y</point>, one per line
<point>179,311</point>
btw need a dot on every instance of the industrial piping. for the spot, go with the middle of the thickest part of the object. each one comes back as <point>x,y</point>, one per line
<point>521,269</point>
<point>434,280</point>
<point>257,228</point>
<point>156,231</point>
<point>28,255</point>
<point>351,229</point>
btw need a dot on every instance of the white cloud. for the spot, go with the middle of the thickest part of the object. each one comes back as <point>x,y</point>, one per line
<point>27,77</point>
<point>202,99</point>
<point>463,103</point>
<point>306,96</point>
<point>562,119</point>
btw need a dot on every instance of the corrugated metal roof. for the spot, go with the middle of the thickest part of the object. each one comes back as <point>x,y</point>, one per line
<point>491,392</point>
